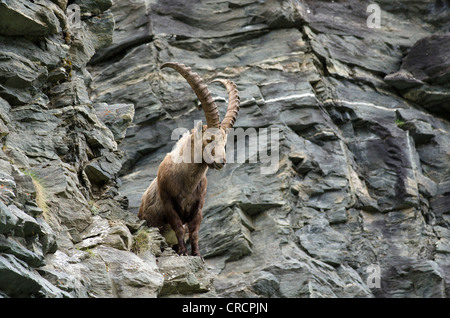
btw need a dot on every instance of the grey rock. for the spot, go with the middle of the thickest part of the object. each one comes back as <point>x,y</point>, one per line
<point>47,52</point>
<point>8,219</point>
<point>106,233</point>
<point>93,7</point>
<point>7,192</point>
<point>47,239</point>
<point>419,130</point>
<point>402,79</point>
<point>109,209</point>
<point>10,246</point>
<point>116,117</point>
<point>18,71</point>
<point>103,169</point>
<point>233,240</point>
<point>72,92</point>
<point>26,225</point>
<point>184,275</point>
<point>427,60</point>
<point>132,28</point>
<point>19,281</point>
<point>435,98</point>
<point>427,69</point>
<point>147,106</point>
<point>440,202</point>
<point>101,26</point>
<point>70,273</point>
<point>132,276</point>
<point>21,18</point>
<point>323,243</point>
<point>412,279</point>
<point>96,173</point>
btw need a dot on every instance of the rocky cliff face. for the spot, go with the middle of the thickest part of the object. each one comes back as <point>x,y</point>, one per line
<point>358,207</point>
<point>64,227</point>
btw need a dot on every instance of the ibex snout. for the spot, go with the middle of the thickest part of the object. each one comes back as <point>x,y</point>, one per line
<point>218,165</point>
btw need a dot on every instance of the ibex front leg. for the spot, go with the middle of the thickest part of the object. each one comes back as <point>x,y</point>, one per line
<point>177,226</point>
<point>194,227</point>
<point>194,224</point>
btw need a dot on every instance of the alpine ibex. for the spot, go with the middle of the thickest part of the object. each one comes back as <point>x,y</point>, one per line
<point>176,196</point>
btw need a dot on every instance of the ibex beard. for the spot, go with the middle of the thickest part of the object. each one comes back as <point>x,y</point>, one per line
<point>177,195</point>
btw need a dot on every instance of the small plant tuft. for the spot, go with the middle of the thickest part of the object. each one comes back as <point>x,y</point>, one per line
<point>141,242</point>
<point>94,207</point>
<point>399,122</point>
<point>41,197</point>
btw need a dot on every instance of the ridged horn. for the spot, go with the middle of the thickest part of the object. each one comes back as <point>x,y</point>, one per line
<point>233,103</point>
<point>202,92</point>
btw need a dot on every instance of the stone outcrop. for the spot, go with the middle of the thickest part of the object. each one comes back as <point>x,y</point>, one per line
<point>424,75</point>
<point>363,164</point>
<point>64,227</point>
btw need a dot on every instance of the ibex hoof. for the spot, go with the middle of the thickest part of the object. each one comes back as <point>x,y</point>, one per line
<point>183,253</point>
<point>180,251</point>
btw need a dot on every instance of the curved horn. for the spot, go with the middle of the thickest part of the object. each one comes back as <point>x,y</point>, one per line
<point>202,92</point>
<point>233,103</point>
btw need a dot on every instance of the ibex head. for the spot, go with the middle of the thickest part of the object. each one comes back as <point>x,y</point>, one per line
<point>214,133</point>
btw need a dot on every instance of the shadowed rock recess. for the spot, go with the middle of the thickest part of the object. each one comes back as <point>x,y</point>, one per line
<point>359,205</point>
